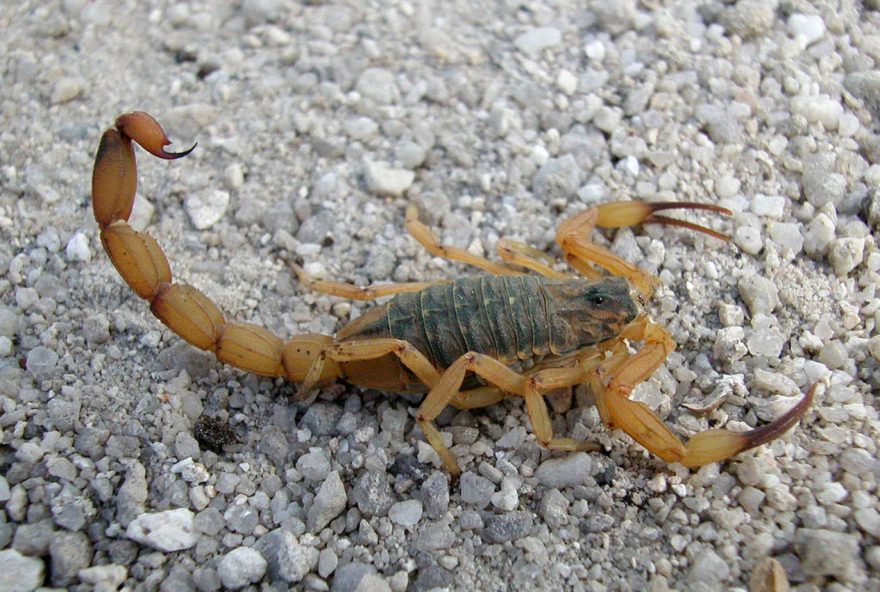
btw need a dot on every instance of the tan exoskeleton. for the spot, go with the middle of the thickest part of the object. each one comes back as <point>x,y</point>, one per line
<point>468,342</point>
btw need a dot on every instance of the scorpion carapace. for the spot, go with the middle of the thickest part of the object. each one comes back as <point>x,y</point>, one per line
<point>519,335</point>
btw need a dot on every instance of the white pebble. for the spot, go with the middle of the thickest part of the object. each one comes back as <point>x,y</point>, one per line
<point>819,234</point>
<point>595,51</point>
<point>384,180</point>
<point>846,254</point>
<point>206,209</point>
<point>748,239</point>
<point>848,125</point>
<point>787,235</point>
<point>772,206</point>
<point>78,248</point>
<point>567,82</point>
<point>806,28</point>
<point>535,40</point>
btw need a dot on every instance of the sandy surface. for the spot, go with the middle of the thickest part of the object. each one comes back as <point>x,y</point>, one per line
<point>317,124</point>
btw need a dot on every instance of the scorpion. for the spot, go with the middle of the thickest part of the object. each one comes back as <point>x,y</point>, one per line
<point>468,342</point>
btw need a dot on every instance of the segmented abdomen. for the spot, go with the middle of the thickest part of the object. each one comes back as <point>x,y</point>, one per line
<point>504,317</point>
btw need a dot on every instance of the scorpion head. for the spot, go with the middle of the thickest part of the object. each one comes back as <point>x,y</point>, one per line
<point>583,313</point>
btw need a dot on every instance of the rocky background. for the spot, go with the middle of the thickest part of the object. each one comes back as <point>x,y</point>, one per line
<point>317,123</point>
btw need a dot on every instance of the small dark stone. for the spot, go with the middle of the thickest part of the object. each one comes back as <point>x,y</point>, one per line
<point>212,433</point>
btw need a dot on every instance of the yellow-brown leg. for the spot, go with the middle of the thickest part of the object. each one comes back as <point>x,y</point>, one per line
<point>522,255</point>
<point>426,237</point>
<point>574,236</point>
<point>529,386</point>
<point>614,380</point>
<point>352,292</point>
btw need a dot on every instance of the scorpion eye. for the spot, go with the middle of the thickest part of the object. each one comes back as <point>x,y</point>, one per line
<point>598,300</point>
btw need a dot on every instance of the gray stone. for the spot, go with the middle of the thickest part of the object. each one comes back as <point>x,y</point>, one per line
<point>240,567</point>
<point>41,362</point>
<point>846,254</point>
<point>435,494</point>
<point>406,513</point>
<point>295,561</point>
<point>822,187</point>
<point>382,179</point>
<point>321,418</point>
<point>34,539</point>
<point>536,40</point>
<point>314,465</point>
<point>866,86</point>
<point>69,553</point>
<point>171,530</point>
<point>329,502</point>
<point>104,577</point>
<point>349,576</point>
<point>760,294</point>
<point>708,570</point>
<point>241,518</point>
<point>566,471</point>
<point>511,527</point>
<point>435,537</point>
<point>558,178</point>
<point>209,521</point>
<point>19,573</point>
<point>749,18</point>
<point>379,85</point>
<point>827,553</point>
<point>554,508</point>
<point>132,495</point>
<point>372,493</point>
<point>476,490</point>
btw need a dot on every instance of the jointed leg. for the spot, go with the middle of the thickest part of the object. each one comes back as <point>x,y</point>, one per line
<point>352,292</point>
<point>429,240</point>
<point>574,235</point>
<point>522,255</point>
<point>623,372</point>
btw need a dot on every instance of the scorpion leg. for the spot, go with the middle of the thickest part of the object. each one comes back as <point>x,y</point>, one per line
<point>351,292</point>
<point>523,255</point>
<point>426,237</point>
<point>574,236</point>
<point>529,386</point>
<point>624,372</point>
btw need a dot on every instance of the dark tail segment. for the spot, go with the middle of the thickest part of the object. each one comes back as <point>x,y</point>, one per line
<point>673,205</point>
<point>773,430</point>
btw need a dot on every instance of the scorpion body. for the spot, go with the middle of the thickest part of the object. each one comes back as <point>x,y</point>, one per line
<point>468,342</point>
<point>510,318</point>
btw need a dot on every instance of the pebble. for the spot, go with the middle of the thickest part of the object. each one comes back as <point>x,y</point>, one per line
<point>826,553</point>
<point>406,513</point>
<point>554,508</point>
<point>313,465</point>
<point>372,494</point>
<point>537,40</point>
<point>760,294</point>
<point>476,490</point>
<point>558,178</point>
<point>65,89</point>
<point>435,537</point>
<point>771,206</point>
<point>509,527</point>
<point>206,208</point>
<point>866,86</point>
<point>104,578</point>
<point>19,573</point>
<point>435,494</point>
<point>330,501</point>
<point>379,85</point>
<point>823,187</point>
<point>382,179</point>
<point>748,239</point>
<point>41,362</point>
<point>846,254</point>
<point>868,520</point>
<point>818,236</point>
<point>806,28</point>
<point>240,567</point>
<point>786,236</point>
<point>749,18</point>
<point>69,552</point>
<point>327,562</point>
<point>78,248</point>
<point>296,560</point>
<point>321,418</point>
<point>567,471</point>
<point>171,530</point>
<point>708,570</point>
<point>507,499</point>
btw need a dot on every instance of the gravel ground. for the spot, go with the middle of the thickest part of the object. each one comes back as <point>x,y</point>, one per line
<point>317,124</point>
